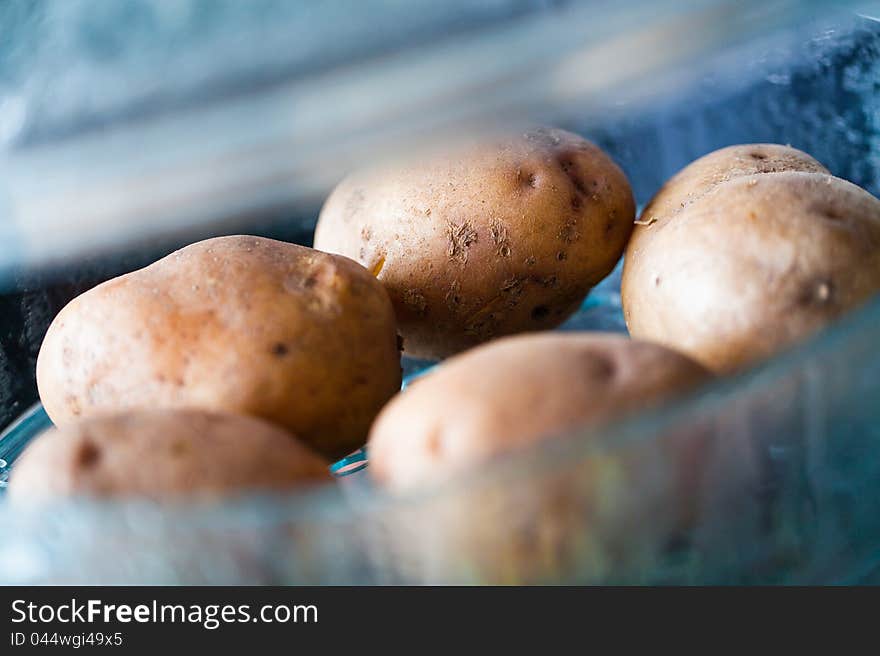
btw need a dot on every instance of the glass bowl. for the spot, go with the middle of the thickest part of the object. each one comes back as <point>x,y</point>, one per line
<point>787,491</point>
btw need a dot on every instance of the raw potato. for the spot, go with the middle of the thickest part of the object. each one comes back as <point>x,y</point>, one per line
<point>515,392</point>
<point>505,237</point>
<point>163,455</point>
<point>579,515</point>
<point>720,166</point>
<point>747,251</point>
<point>235,324</point>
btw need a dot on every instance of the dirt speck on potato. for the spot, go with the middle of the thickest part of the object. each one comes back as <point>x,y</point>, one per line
<point>87,454</point>
<point>512,291</point>
<point>527,178</point>
<point>512,283</point>
<point>543,136</point>
<point>499,232</point>
<point>415,301</point>
<point>602,368</point>
<point>459,238</point>
<point>500,238</point>
<point>569,232</point>
<point>453,295</point>
<point>179,448</point>
<point>540,312</point>
<point>569,166</point>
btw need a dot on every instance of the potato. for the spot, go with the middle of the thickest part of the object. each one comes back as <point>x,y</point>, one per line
<point>162,454</point>
<point>514,392</point>
<point>566,511</point>
<point>721,166</point>
<point>503,237</point>
<point>748,251</point>
<point>235,324</point>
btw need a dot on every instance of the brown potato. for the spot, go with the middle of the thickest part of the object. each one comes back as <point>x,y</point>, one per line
<point>501,238</point>
<point>730,265</point>
<point>514,392</point>
<point>163,454</point>
<point>718,167</point>
<point>235,324</point>
<point>580,513</point>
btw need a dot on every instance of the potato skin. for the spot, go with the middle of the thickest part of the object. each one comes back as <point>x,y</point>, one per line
<point>576,514</point>
<point>733,271</point>
<point>234,324</point>
<point>720,166</point>
<point>505,237</point>
<point>514,392</point>
<point>162,454</point>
